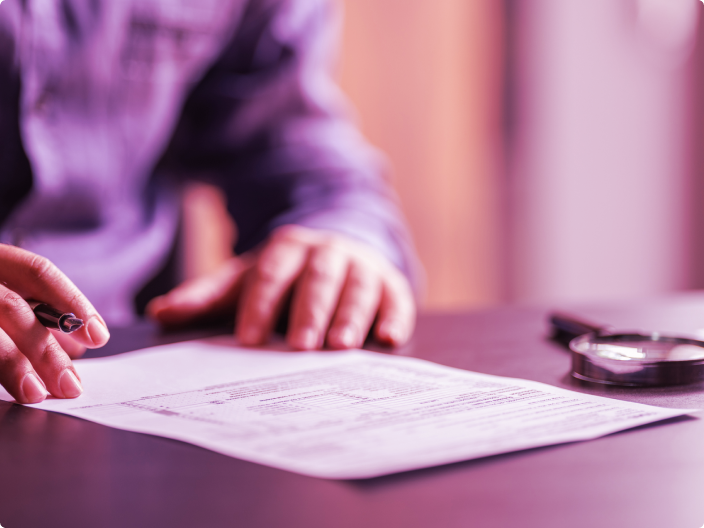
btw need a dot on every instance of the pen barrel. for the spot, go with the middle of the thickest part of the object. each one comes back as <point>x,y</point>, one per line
<point>56,320</point>
<point>566,327</point>
<point>48,316</point>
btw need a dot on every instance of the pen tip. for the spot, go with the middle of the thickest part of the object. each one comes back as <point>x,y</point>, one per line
<point>71,324</point>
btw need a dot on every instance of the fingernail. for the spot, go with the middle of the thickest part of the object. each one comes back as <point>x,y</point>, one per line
<point>347,337</point>
<point>98,332</point>
<point>33,389</point>
<point>391,331</point>
<point>306,339</point>
<point>69,384</point>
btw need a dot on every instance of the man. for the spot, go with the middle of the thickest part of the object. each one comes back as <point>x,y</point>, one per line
<point>106,107</point>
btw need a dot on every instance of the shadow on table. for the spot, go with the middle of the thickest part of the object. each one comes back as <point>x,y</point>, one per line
<point>396,478</point>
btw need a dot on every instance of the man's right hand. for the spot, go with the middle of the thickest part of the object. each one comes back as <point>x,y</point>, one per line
<point>32,361</point>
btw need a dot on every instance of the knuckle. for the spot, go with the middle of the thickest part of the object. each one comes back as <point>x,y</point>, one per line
<point>51,352</point>
<point>322,268</point>
<point>360,279</point>
<point>336,242</point>
<point>13,302</point>
<point>11,298</point>
<point>278,236</point>
<point>40,268</point>
<point>76,298</point>
<point>267,270</point>
<point>8,352</point>
<point>319,272</point>
<point>289,233</point>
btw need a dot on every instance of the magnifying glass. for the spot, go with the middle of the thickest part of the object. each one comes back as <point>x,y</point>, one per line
<point>600,355</point>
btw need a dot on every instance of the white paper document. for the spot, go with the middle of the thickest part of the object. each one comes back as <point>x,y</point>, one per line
<point>339,415</point>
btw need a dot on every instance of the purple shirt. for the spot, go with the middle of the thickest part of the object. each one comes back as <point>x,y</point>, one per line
<point>107,106</point>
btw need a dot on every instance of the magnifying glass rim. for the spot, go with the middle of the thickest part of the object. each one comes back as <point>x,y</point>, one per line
<point>652,338</point>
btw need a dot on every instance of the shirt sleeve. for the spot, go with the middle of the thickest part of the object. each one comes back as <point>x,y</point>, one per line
<point>270,127</point>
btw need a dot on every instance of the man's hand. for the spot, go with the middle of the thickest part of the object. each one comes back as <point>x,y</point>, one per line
<point>32,361</point>
<point>338,289</point>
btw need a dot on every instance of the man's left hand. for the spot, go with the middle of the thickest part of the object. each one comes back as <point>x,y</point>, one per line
<point>338,288</point>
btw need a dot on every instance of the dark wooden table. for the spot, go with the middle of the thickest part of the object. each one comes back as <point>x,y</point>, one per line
<point>57,471</point>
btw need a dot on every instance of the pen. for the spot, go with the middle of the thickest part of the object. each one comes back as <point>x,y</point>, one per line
<point>52,318</point>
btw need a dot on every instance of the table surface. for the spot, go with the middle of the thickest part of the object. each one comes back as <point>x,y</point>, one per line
<point>61,471</point>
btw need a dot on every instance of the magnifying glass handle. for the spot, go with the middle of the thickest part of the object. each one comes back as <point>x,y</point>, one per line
<point>566,327</point>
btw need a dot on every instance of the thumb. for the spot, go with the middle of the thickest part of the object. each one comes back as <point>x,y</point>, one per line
<point>212,294</point>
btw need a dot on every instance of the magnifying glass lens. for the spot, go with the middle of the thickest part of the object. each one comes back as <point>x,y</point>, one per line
<point>652,350</point>
<point>637,360</point>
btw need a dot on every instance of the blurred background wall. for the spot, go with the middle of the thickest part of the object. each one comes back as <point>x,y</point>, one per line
<point>601,147</point>
<point>543,150</point>
<point>426,78</point>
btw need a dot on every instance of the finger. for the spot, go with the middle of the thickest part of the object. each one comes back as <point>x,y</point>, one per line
<point>17,375</point>
<point>359,302</point>
<point>397,312</point>
<point>38,345</point>
<point>34,277</point>
<point>266,287</point>
<point>72,347</point>
<point>316,296</point>
<point>212,294</point>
